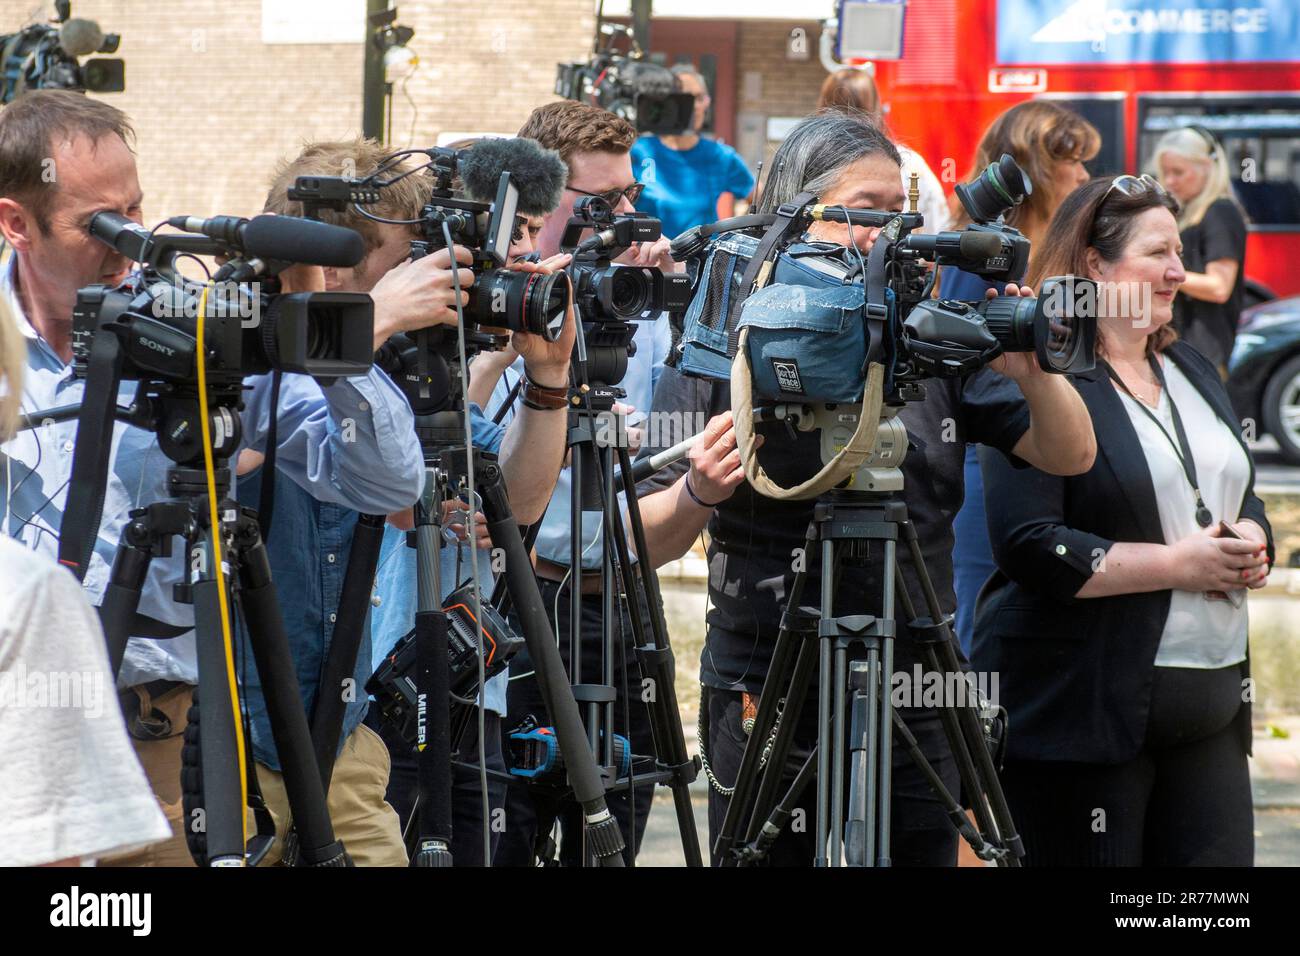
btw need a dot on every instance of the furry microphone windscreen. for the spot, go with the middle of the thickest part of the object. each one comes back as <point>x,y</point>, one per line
<point>538,173</point>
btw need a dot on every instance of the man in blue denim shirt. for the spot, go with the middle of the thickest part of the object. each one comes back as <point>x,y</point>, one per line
<point>342,441</point>
<point>309,539</point>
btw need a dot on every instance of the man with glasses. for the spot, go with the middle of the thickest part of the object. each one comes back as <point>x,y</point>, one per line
<point>594,143</point>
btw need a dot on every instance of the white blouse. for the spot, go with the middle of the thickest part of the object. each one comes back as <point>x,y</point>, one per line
<point>1200,631</point>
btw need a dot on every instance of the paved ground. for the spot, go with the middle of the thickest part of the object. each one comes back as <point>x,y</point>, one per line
<point>1275,773</point>
<point>1273,476</point>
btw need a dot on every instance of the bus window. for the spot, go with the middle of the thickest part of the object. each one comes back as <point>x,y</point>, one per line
<point>1261,139</point>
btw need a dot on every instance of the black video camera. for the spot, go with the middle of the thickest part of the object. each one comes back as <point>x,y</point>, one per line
<point>44,57</point>
<point>618,293</point>
<point>643,93</point>
<point>250,328</point>
<point>819,313</point>
<point>501,300</point>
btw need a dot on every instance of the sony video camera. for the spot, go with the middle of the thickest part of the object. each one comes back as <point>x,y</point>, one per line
<point>44,57</point>
<point>618,293</point>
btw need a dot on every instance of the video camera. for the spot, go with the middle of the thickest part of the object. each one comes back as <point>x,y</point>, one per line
<point>44,57</point>
<point>421,363</point>
<point>618,293</point>
<point>821,313</point>
<point>643,93</point>
<point>250,329</point>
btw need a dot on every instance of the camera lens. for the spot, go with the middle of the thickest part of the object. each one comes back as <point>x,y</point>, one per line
<point>520,301</point>
<point>629,293</point>
<point>1000,186</point>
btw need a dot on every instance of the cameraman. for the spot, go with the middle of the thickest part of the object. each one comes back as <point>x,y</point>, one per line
<point>595,145</point>
<point>846,159</point>
<point>63,158</point>
<point>310,539</point>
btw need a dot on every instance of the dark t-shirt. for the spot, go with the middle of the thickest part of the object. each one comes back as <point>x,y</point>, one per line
<point>753,538</point>
<point>1207,326</point>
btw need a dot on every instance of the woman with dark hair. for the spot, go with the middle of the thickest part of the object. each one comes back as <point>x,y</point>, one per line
<point>1117,617</point>
<point>1194,168</point>
<point>754,541</point>
<point>1051,144</point>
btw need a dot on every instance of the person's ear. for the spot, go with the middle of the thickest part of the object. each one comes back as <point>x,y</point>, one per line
<point>1094,262</point>
<point>17,225</point>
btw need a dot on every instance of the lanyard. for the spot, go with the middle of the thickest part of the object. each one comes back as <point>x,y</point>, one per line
<point>1182,449</point>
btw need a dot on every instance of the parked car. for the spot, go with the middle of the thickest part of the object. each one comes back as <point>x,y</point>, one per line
<point>1264,372</point>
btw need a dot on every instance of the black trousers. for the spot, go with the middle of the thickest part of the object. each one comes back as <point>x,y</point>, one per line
<point>920,833</point>
<point>531,811</point>
<point>466,792</point>
<point>1185,800</point>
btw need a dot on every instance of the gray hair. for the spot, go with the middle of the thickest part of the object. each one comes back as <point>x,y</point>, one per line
<point>688,69</point>
<point>817,151</point>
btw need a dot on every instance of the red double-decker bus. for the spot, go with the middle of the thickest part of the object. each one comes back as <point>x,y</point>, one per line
<point>1134,68</point>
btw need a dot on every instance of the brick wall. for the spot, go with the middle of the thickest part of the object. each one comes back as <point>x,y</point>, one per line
<point>214,107</point>
<point>786,87</point>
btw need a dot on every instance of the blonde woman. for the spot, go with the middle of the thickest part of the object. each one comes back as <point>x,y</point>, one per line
<point>1194,168</point>
<point>73,789</point>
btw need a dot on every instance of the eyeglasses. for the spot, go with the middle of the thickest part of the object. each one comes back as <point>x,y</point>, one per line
<point>1134,186</point>
<point>612,196</point>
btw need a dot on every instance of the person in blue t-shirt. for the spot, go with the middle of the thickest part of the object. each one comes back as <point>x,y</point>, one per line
<point>689,180</point>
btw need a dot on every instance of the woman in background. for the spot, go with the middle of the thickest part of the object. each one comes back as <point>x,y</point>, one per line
<point>1194,169</point>
<point>1050,144</point>
<point>1117,619</point>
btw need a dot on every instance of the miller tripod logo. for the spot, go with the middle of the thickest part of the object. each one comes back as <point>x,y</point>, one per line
<point>421,720</point>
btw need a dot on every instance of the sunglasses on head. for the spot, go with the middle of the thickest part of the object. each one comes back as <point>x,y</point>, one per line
<point>1134,186</point>
<point>612,196</point>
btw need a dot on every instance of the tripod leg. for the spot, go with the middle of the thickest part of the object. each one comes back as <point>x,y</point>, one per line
<point>885,703</point>
<point>317,845</point>
<point>584,775</point>
<point>825,677</point>
<point>756,849</point>
<point>859,833</point>
<point>433,757</point>
<point>790,642</point>
<point>655,662</point>
<point>223,800</point>
<point>117,611</point>
<point>962,724</point>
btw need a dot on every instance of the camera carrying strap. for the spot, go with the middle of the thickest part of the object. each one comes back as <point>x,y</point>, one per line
<point>86,487</point>
<point>846,461</point>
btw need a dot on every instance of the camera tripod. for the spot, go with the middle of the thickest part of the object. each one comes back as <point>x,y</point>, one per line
<point>595,483</point>
<point>856,719</point>
<point>243,553</point>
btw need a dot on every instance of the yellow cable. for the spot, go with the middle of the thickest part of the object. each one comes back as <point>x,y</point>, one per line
<point>209,469</point>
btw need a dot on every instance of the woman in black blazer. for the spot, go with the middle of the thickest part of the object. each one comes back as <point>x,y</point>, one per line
<point>1116,621</point>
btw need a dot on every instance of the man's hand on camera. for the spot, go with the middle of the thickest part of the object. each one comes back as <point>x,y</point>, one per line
<point>1020,366</point>
<point>652,255</point>
<point>420,293</point>
<point>716,470</point>
<point>546,363</point>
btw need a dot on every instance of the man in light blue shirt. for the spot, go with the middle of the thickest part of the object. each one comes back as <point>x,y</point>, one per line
<point>343,442</point>
<point>310,538</point>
